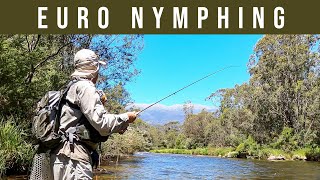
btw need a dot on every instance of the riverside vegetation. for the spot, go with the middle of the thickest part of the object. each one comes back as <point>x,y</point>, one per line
<point>31,65</point>
<point>275,113</point>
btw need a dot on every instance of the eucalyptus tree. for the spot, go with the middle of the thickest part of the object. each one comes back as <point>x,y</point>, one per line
<point>284,73</point>
<point>30,65</point>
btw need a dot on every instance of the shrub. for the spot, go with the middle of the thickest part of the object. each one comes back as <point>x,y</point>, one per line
<point>180,141</point>
<point>249,146</point>
<point>287,141</point>
<point>313,154</point>
<point>189,144</point>
<point>135,139</point>
<point>15,153</point>
<point>219,151</point>
<point>241,147</point>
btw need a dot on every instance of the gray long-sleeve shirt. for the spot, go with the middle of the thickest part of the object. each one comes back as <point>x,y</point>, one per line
<point>84,94</point>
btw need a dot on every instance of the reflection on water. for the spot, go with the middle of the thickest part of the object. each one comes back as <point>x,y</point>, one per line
<point>169,166</point>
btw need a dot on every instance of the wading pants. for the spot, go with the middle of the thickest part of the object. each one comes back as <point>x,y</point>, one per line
<point>64,168</point>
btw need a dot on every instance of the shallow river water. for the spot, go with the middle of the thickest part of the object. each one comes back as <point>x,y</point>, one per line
<point>170,166</point>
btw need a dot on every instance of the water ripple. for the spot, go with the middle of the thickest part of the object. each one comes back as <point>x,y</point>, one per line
<point>170,166</point>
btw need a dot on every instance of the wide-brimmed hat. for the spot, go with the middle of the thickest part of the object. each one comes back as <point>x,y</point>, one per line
<point>86,64</point>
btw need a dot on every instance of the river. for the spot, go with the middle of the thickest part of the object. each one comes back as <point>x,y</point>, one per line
<point>171,166</point>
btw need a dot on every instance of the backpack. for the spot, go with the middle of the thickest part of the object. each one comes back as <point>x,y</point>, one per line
<point>46,121</point>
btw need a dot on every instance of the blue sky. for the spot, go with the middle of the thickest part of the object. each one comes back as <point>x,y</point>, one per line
<point>169,62</point>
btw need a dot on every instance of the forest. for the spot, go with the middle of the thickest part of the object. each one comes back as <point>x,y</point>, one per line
<point>275,113</point>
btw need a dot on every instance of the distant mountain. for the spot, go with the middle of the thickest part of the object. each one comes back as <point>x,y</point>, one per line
<point>162,114</point>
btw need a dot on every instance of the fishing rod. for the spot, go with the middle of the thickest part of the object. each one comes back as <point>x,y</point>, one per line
<point>222,69</point>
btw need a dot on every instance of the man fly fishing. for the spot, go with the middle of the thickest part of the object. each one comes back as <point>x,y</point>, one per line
<point>71,123</point>
<point>83,120</point>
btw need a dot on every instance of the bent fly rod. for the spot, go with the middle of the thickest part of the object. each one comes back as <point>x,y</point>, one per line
<point>185,88</point>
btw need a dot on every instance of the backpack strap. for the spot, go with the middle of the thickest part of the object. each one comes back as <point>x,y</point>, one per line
<point>61,100</point>
<point>65,101</point>
<point>69,134</point>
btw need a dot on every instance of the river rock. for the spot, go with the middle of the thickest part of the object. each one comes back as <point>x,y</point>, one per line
<point>276,158</point>
<point>300,158</point>
<point>243,155</point>
<point>232,154</point>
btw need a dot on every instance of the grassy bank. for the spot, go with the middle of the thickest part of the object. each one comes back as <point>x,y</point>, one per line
<point>263,153</point>
<point>198,151</point>
<point>15,153</point>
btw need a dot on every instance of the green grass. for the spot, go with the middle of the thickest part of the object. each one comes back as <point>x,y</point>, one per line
<point>15,153</point>
<point>198,151</point>
<point>301,152</point>
<point>172,151</point>
<point>262,153</point>
<point>220,151</point>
